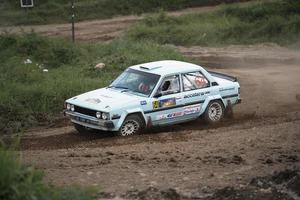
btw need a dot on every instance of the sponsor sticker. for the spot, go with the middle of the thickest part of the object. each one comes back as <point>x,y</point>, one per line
<point>226,89</point>
<point>197,94</point>
<point>164,103</point>
<point>170,115</point>
<point>187,110</point>
<point>167,102</point>
<point>191,109</point>
<point>143,103</point>
<point>93,100</point>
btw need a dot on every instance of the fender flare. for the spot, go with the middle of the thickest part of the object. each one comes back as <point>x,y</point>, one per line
<point>209,99</point>
<point>128,112</point>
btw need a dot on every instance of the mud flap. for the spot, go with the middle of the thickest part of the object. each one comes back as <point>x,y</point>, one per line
<point>149,122</point>
<point>228,110</point>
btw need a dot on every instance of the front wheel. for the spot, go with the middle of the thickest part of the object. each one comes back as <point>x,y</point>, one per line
<point>133,124</point>
<point>214,112</point>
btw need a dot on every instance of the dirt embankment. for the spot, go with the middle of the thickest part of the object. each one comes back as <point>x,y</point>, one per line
<point>193,160</point>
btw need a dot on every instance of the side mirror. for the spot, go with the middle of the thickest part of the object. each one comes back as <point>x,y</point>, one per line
<point>157,95</point>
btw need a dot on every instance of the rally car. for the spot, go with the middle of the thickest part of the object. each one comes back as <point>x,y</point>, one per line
<point>154,94</point>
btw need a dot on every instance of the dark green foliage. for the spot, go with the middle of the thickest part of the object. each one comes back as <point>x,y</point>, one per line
<point>30,96</point>
<point>273,21</point>
<point>53,54</point>
<point>284,8</point>
<point>54,11</point>
<point>19,182</point>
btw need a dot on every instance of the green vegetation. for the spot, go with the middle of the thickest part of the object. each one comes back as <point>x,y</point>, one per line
<point>272,21</point>
<point>30,96</point>
<point>57,11</point>
<point>23,182</point>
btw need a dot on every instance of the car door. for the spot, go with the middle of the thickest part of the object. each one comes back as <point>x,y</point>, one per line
<point>196,88</point>
<point>167,103</point>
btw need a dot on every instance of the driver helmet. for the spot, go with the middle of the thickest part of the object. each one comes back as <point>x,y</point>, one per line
<point>143,87</point>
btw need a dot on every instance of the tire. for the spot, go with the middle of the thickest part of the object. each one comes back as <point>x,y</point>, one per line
<point>133,124</point>
<point>214,112</point>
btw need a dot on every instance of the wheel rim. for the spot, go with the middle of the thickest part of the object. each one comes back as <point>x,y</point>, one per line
<point>215,112</point>
<point>129,128</point>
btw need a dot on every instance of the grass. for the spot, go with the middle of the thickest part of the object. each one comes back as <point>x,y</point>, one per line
<point>19,182</point>
<point>58,11</point>
<point>30,96</point>
<point>272,21</point>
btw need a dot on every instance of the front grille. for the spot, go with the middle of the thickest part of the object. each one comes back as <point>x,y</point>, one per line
<point>85,111</point>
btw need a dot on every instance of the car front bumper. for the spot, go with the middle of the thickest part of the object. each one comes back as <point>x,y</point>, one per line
<point>90,122</point>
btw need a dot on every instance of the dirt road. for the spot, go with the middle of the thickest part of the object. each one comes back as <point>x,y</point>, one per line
<point>193,160</point>
<point>93,30</point>
<point>98,30</point>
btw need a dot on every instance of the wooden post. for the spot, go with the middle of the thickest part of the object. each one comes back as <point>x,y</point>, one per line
<point>73,19</point>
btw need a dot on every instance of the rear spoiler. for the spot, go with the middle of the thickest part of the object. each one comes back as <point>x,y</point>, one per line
<point>223,76</point>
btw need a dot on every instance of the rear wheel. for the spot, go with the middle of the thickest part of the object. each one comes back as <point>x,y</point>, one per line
<point>214,112</point>
<point>133,124</point>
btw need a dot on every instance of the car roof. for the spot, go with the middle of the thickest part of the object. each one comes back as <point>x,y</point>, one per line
<point>166,67</point>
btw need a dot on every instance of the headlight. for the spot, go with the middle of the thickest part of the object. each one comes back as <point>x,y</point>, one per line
<point>98,115</point>
<point>105,116</point>
<point>72,108</point>
<point>68,106</point>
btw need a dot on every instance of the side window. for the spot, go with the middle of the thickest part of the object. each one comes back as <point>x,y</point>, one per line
<point>194,80</point>
<point>170,85</point>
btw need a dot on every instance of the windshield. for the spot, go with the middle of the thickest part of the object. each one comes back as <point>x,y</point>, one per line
<point>136,81</point>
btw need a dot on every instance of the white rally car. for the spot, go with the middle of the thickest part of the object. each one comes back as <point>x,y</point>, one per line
<point>156,93</point>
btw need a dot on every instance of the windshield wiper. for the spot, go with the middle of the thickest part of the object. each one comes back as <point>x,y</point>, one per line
<point>125,89</point>
<point>119,87</point>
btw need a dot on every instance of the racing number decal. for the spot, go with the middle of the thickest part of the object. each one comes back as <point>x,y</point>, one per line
<point>155,104</point>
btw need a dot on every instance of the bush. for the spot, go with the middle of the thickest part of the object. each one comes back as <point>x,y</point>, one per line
<point>50,52</point>
<point>54,11</point>
<point>19,182</point>
<point>275,21</point>
<point>30,96</point>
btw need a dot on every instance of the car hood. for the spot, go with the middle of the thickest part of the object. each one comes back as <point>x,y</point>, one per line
<point>105,99</point>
